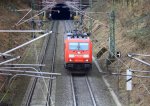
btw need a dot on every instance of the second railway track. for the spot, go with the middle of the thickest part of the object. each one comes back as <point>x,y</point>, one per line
<point>43,96</point>
<point>52,68</point>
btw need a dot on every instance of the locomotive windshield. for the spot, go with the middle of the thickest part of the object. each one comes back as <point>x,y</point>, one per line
<point>78,46</point>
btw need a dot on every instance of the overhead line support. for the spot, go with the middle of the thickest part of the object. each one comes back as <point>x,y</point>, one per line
<point>22,30</point>
<point>112,36</point>
<point>111,43</point>
<point>90,27</point>
<point>20,46</point>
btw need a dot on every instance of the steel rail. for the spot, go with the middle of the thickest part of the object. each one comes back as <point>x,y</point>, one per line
<point>73,92</point>
<point>31,92</point>
<point>45,46</point>
<point>32,88</point>
<point>43,56</point>
<point>52,68</point>
<point>90,90</point>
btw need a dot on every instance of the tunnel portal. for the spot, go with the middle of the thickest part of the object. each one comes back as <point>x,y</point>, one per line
<point>60,12</point>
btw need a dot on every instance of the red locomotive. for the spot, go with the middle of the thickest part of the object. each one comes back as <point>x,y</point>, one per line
<point>78,51</point>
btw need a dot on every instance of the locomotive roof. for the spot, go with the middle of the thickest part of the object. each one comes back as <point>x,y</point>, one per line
<point>77,33</point>
<point>78,39</point>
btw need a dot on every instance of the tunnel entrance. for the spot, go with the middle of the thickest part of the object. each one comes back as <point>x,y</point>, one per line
<point>60,12</point>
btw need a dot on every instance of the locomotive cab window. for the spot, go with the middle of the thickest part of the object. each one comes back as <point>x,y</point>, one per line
<point>78,46</point>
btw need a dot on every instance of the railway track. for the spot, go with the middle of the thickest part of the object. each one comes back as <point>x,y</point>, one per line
<point>82,91</point>
<point>81,94</point>
<point>52,68</point>
<point>81,87</point>
<point>48,58</point>
<point>77,90</point>
<point>68,26</point>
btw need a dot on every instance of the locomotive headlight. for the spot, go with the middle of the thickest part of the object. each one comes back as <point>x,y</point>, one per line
<point>86,56</point>
<point>86,60</point>
<point>71,56</point>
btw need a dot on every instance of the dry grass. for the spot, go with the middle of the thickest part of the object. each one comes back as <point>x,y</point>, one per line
<point>132,36</point>
<point>9,40</point>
